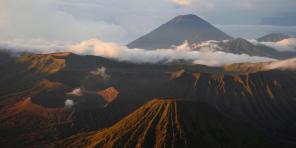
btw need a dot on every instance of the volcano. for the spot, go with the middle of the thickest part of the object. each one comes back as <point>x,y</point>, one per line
<point>182,28</point>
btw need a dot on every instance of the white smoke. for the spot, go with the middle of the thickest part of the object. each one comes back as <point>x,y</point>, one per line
<point>101,72</point>
<point>283,45</point>
<point>211,45</point>
<point>207,55</point>
<point>76,92</point>
<point>69,103</point>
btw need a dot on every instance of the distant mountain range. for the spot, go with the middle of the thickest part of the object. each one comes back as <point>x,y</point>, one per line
<point>273,37</point>
<point>243,46</point>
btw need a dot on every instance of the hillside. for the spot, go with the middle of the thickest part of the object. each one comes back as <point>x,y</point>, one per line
<point>265,100</point>
<point>171,123</point>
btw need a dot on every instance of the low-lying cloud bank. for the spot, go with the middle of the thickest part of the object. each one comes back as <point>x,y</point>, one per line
<point>182,52</point>
<point>283,45</point>
<point>206,56</point>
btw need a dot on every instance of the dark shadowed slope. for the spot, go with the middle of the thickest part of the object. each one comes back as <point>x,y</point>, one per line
<point>266,100</point>
<point>175,32</point>
<point>171,123</point>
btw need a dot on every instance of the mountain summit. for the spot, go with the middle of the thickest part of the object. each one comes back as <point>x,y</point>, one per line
<point>183,27</point>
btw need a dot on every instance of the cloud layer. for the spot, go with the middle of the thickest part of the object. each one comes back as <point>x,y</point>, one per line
<point>207,56</point>
<point>182,2</point>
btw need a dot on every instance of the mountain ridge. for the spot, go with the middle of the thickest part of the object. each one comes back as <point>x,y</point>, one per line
<point>273,37</point>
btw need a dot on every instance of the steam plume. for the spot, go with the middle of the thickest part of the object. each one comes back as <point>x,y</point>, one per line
<point>101,72</point>
<point>76,92</point>
<point>69,103</point>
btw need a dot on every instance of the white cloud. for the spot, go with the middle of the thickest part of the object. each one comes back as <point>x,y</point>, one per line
<point>35,19</point>
<point>34,45</point>
<point>219,58</point>
<point>182,2</point>
<point>69,103</point>
<point>207,56</point>
<point>283,45</point>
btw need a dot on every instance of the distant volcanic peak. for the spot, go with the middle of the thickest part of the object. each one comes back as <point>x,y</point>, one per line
<point>188,17</point>
<point>182,28</point>
<point>273,37</point>
<point>170,123</point>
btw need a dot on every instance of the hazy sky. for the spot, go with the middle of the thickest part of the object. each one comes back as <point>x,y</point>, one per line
<point>124,20</point>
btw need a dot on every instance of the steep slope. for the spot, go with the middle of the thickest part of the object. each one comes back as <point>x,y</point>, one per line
<point>175,32</point>
<point>273,37</point>
<point>46,63</point>
<point>171,123</point>
<point>264,99</point>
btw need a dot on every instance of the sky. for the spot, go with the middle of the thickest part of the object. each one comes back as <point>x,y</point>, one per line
<point>122,21</point>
